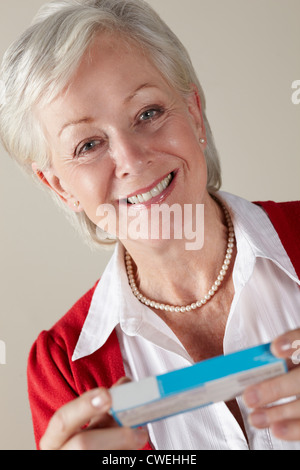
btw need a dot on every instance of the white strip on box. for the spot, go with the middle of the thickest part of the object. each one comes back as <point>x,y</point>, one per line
<point>221,378</point>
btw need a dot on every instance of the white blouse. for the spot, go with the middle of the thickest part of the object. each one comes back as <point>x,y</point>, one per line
<point>266,304</point>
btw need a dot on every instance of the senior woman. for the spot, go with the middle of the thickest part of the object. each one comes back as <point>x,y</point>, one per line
<point>102,104</point>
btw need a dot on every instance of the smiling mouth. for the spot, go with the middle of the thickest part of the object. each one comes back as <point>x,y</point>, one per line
<point>154,192</point>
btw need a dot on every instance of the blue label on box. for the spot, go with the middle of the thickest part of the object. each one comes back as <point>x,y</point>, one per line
<point>215,368</point>
<point>221,378</point>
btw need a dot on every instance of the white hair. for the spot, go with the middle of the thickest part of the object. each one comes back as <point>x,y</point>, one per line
<point>38,66</point>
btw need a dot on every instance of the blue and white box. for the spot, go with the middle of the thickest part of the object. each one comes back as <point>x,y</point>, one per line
<point>221,378</point>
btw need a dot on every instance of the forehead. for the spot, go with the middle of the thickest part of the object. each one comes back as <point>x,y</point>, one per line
<point>113,64</point>
<point>110,71</point>
<point>110,75</point>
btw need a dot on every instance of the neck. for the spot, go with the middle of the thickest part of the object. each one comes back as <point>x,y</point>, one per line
<point>171,274</point>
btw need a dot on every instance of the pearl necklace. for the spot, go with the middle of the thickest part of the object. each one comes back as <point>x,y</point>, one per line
<point>211,292</point>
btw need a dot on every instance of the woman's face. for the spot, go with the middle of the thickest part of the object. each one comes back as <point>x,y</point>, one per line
<point>117,131</point>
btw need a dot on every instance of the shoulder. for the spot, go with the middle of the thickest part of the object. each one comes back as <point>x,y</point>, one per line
<point>288,209</point>
<point>57,344</point>
<point>52,378</point>
<point>285,217</point>
<point>51,354</point>
<point>68,328</point>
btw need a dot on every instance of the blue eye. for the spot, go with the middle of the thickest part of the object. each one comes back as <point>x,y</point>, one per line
<point>88,147</point>
<point>150,114</point>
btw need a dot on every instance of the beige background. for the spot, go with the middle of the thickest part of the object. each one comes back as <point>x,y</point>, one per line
<point>247,56</point>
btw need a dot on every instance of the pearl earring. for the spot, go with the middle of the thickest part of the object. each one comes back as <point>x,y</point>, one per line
<point>202,141</point>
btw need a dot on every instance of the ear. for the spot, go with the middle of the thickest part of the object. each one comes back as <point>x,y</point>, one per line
<point>52,181</point>
<point>195,110</point>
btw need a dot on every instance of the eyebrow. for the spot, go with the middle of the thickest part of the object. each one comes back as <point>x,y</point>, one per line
<point>87,120</point>
<point>139,88</point>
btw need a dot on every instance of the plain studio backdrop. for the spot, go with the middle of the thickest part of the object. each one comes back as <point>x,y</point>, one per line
<point>246,53</point>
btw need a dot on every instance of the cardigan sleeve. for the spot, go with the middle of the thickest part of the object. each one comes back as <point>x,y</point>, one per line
<point>50,381</point>
<point>54,379</point>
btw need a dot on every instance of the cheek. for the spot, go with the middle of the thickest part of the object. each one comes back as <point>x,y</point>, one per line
<point>182,141</point>
<point>179,132</point>
<point>91,185</point>
<point>185,143</point>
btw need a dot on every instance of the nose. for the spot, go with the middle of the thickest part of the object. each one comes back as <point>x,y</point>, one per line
<point>130,154</point>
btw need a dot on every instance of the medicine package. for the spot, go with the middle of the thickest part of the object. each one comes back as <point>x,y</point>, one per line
<point>221,378</point>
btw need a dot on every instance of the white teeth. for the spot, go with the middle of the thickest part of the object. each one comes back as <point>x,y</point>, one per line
<point>139,198</point>
<point>134,200</point>
<point>147,196</point>
<point>155,191</point>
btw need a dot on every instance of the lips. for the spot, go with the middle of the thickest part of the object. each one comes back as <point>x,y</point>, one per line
<point>153,192</point>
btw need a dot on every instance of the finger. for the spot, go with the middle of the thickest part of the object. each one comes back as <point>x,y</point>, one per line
<point>109,439</point>
<point>269,391</point>
<point>122,381</point>
<point>70,418</point>
<point>287,430</point>
<point>287,346</point>
<point>106,420</point>
<point>265,417</point>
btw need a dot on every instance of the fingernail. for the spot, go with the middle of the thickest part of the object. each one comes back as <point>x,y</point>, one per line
<point>99,400</point>
<point>251,397</point>
<point>281,346</point>
<point>284,345</point>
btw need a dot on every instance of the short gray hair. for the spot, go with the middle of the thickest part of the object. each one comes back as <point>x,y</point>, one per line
<point>38,66</point>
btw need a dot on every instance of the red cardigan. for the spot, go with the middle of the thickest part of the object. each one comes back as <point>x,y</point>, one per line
<point>53,379</point>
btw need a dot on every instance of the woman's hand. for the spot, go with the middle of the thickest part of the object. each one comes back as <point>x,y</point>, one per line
<point>66,428</point>
<point>283,419</point>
